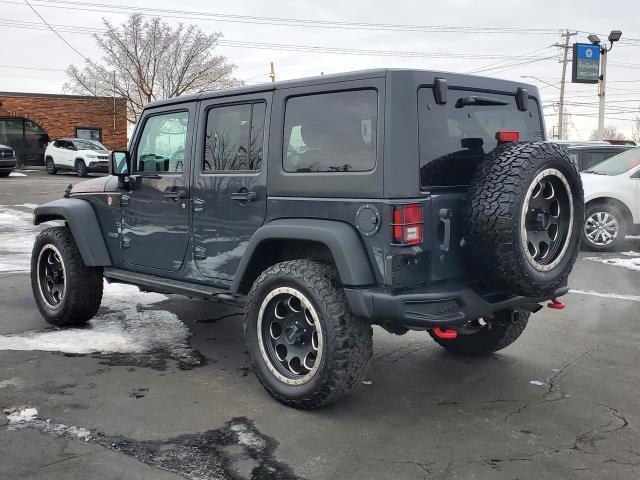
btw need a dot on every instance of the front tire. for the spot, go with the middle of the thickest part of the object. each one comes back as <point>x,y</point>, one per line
<point>51,167</point>
<point>306,347</point>
<point>484,338</point>
<point>66,291</point>
<point>604,228</point>
<point>81,167</point>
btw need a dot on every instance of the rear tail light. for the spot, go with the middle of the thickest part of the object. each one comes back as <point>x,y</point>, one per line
<point>407,224</point>
<point>507,136</point>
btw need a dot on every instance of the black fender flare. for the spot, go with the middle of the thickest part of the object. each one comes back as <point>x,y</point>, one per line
<point>341,239</point>
<point>84,226</point>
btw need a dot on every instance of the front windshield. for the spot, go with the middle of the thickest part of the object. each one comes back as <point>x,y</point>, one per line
<point>88,145</point>
<point>618,164</point>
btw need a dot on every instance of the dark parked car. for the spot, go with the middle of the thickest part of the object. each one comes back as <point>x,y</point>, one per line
<point>413,200</point>
<point>7,160</point>
<point>589,154</point>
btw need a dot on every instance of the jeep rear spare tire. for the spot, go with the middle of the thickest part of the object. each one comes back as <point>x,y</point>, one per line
<point>524,218</point>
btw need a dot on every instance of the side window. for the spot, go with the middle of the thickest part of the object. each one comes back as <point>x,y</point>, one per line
<point>594,158</point>
<point>234,138</point>
<point>331,132</point>
<point>162,145</point>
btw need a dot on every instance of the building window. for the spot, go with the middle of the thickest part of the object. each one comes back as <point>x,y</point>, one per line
<point>89,133</point>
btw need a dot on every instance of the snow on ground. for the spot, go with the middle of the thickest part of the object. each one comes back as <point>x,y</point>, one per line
<point>629,263</point>
<point>28,418</point>
<point>17,174</point>
<point>128,326</point>
<point>18,234</point>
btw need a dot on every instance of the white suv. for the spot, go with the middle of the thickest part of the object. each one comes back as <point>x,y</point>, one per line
<point>77,154</point>
<point>612,201</point>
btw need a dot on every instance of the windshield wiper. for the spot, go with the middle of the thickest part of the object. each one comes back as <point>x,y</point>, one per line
<point>481,101</point>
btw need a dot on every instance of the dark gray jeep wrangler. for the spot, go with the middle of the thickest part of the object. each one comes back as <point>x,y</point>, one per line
<point>408,199</point>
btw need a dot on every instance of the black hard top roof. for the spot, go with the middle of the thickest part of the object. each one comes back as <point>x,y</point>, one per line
<point>425,76</point>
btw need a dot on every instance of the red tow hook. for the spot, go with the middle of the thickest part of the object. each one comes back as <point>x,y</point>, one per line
<point>447,333</point>
<point>555,303</point>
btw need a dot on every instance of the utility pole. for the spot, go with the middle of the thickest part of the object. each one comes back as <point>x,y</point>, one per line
<point>567,36</point>
<point>272,75</point>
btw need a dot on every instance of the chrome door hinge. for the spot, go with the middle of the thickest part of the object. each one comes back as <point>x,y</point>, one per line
<point>126,242</point>
<point>124,201</point>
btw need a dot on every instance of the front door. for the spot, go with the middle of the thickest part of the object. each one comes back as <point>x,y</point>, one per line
<point>155,213</point>
<point>229,189</point>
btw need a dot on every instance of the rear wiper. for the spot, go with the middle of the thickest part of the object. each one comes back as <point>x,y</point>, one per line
<point>473,100</point>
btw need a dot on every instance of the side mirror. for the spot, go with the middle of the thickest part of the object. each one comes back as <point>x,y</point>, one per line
<point>120,163</point>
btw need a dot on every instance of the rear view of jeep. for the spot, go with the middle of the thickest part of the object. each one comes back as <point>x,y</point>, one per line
<point>412,200</point>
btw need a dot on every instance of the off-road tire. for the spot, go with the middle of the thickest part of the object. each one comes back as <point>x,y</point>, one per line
<point>83,285</point>
<point>496,198</point>
<point>617,244</point>
<point>51,166</point>
<point>503,332</point>
<point>81,168</point>
<point>347,344</point>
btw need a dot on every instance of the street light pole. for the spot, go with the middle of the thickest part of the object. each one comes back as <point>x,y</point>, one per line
<point>614,36</point>
<point>601,91</point>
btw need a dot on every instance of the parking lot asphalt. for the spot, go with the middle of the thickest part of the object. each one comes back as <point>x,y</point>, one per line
<point>170,394</point>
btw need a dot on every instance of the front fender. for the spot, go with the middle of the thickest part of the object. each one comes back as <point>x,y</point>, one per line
<point>84,225</point>
<point>341,239</point>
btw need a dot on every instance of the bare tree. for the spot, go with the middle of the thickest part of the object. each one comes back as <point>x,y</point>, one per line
<point>146,60</point>
<point>611,132</point>
<point>635,133</point>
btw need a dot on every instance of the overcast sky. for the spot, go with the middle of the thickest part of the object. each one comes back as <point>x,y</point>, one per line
<point>34,48</point>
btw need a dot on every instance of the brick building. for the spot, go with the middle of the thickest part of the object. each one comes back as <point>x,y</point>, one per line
<point>28,121</point>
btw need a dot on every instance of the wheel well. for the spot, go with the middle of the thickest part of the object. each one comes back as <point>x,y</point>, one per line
<point>270,252</point>
<point>48,157</point>
<point>78,159</point>
<point>626,213</point>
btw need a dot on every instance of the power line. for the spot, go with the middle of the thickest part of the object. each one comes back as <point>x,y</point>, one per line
<point>298,48</point>
<point>21,67</point>
<point>282,21</point>
<point>56,33</point>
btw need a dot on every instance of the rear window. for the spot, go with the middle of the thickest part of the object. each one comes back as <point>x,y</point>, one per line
<point>618,164</point>
<point>331,132</point>
<point>455,136</point>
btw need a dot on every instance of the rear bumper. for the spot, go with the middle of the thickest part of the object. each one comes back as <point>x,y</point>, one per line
<point>446,305</point>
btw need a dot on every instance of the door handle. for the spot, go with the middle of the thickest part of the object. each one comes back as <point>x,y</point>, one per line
<point>244,196</point>
<point>445,217</point>
<point>174,195</point>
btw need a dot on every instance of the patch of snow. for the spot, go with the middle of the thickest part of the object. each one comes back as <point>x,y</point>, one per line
<point>28,418</point>
<point>246,437</point>
<point>537,383</point>
<point>127,327</point>
<point>18,234</point>
<point>27,205</point>
<point>22,416</point>
<point>629,263</point>
<point>17,174</point>
<point>633,298</point>
<point>631,253</point>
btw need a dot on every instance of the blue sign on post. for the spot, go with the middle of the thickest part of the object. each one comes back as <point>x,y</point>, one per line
<point>586,63</point>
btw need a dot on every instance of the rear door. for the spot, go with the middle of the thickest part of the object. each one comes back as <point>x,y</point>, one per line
<point>155,213</point>
<point>229,187</point>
